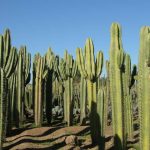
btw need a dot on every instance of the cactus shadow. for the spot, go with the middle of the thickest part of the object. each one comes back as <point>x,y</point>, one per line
<point>48,97</point>
<point>96,135</point>
<point>117,142</point>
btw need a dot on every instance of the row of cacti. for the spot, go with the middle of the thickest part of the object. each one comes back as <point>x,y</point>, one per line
<point>11,84</point>
<point>53,77</point>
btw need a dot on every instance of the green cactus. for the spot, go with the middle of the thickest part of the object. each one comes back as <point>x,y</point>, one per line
<point>11,102</point>
<point>100,109</point>
<point>52,67</point>
<point>83,100</point>
<point>116,86</point>
<point>23,78</point>
<point>8,61</point>
<point>107,92</point>
<point>127,85</point>
<point>28,97</point>
<point>41,73</point>
<point>3,106</point>
<point>68,69</point>
<point>91,70</point>
<point>144,88</point>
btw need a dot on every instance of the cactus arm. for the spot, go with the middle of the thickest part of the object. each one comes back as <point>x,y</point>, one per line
<point>80,62</point>
<point>11,64</point>
<point>90,66</point>
<point>7,45</point>
<point>99,63</point>
<point>1,50</point>
<point>28,66</point>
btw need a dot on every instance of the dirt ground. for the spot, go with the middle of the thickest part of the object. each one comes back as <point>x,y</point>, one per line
<point>53,138</point>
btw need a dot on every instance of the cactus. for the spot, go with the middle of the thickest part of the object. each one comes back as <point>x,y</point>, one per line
<point>100,109</point>
<point>116,86</point>
<point>28,97</point>
<point>11,102</point>
<point>52,67</point>
<point>91,70</point>
<point>8,61</point>
<point>144,88</point>
<point>107,92</point>
<point>41,73</point>
<point>23,78</point>
<point>68,69</point>
<point>83,100</point>
<point>127,85</point>
<point>3,106</point>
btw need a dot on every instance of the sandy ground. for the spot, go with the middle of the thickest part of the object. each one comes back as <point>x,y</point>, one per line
<point>53,138</point>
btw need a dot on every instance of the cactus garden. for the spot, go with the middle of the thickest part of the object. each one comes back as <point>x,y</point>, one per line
<point>81,102</point>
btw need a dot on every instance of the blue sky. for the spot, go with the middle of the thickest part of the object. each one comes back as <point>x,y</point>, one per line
<point>65,24</point>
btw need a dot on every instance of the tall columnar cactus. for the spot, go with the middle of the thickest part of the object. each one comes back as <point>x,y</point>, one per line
<point>128,81</point>
<point>8,54</point>
<point>116,86</point>
<point>100,109</point>
<point>8,61</point>
<point>107,102</point>
<point>91,70</point>
<point>68,69</point>
<point>83,100</point>
<point>28,97</point>
<point>51,62</point>
<point>144,88</point>
<point>23,78</point>
<point>41,73</point>
<point>3,106</point>
<point>12,100</point>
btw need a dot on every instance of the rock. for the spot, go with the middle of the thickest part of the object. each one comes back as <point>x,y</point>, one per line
<point>71,140</point>
<point>77,148</point>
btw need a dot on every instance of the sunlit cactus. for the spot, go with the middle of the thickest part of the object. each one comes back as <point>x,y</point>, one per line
<point>8,61</point>
<point>144,88</point>
<point>41,73</point>
<point>23,78</point>
<point>91,69</point>
<point>68,69</point>
<point>116,86</point>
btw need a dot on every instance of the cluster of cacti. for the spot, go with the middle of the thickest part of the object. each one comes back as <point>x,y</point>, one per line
<point>9,83</point>
<point>75,85</point>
